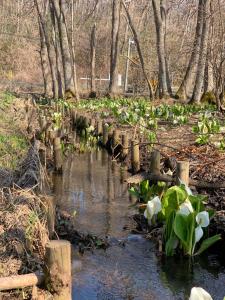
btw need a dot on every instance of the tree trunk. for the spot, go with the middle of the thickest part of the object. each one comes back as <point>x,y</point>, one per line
<point>136,39</point>
<point>59,7</point>
<point>93,62</point>
<point>190,75</point>
<point>42,15</point>
<point>199,82</point>
<point>45,65</point>
<point>77,96</point>
<point>55,39</point>
<point>113,89</point>
<point>160,25</point>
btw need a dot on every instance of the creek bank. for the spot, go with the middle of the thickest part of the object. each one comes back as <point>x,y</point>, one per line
<point>23,210</point>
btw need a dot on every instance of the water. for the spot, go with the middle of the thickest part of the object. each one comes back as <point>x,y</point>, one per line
<point>129,269</point>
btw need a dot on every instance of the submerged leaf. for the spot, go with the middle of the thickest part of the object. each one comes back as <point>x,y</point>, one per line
<point>207,243</point>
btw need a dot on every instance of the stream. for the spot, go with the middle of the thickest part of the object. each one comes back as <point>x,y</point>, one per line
<point>92,186</point>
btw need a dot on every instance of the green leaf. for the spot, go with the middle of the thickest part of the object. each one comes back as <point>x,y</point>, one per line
<point>181,229</point>
<point>207,243</point>
<point>171,245</point>
<point>133,191</point>
<point>173,198</point>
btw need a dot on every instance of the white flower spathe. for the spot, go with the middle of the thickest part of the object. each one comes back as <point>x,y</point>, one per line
<point>202,219</point>
<point>154,206</point>
<point>186,208</point>
<point>187,189</point>
<point>198,293</point>
<point>198,234</point>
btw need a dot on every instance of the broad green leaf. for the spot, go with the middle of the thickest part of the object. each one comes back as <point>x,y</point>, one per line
<point>207,243</point>
<point>171,245</point>
<point>172,199</point>
<point>181,229</point>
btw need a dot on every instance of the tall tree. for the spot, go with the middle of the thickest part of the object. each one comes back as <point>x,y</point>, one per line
<point>45,65</point>
<point>43,14</point>
<point>93,61</point>
<point>160,25</point>
<point>67,60</point>
<point>187,83</point>
<point>199,82</point>
<point>113,86</point>
<point>141,58</point>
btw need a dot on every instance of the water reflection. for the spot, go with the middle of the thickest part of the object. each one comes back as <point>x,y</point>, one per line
<point>94,187</point>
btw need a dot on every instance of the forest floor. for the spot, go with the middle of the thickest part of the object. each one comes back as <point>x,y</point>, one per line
<point>23,218</point>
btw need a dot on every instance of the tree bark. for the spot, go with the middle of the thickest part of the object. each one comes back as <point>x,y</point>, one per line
<point>160,25</point>
<point>93,61</point>
<point>199,82</point>
<point>55,39</point>
<point>48,92</point>
<point>42,16</point>
<point>136,40</point>
<point>190,75</point>
<point>116,7</point>
<point>59,7</point>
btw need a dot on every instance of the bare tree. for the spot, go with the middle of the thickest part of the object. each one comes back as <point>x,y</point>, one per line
<point>136,39</point>
<point>160,25</point>
<point>199,82</point>
<point>116,8</point>
<point>93,61</point>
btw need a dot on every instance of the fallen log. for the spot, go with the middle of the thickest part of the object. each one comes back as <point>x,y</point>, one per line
<point>20,281</point>
<point>166,178</point>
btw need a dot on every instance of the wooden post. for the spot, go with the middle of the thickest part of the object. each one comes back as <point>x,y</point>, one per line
<point>135,156</point>
<point>105,134</point>
<point>52,136</point>
<point>93,122</point>
<point>57,154</point>
<point>116,138</point>
<point>155,162</point>
<point>125,144</point>
<point>182,172</point>
<point>58,265</point>
<point>99,128</point>
<point>85,122</point>
<point>74,116</point>
<point>50,216</point>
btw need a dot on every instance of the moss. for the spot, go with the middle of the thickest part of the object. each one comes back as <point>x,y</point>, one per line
<point>208,97</point>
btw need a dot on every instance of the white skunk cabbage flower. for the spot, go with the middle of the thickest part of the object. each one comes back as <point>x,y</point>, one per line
<point>186,208</point>
<point>187,189</point>
<point>202,219</point>
<point>154,206</point>
<point>198,293</point>
<point>198,234</point>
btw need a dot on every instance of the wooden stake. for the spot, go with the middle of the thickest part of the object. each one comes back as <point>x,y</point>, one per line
<point>58,274</point>
<point>125,144</point>
<point>57,154</point>
<point>116,138</point>
<point>182,172</point>
<point>93,123</point>
<point>99,128</point>
<point>135,156</point>
<point>105,134</point>
<point>155,162</point>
